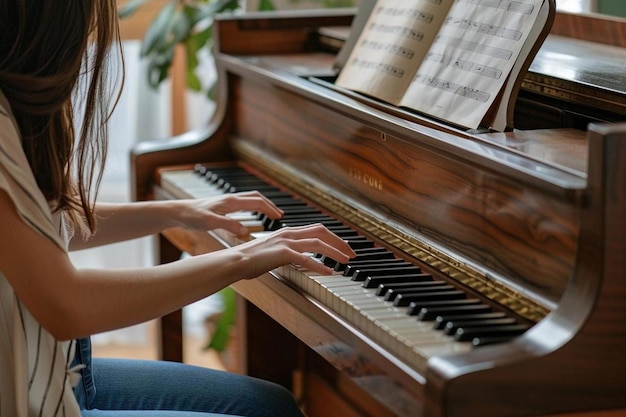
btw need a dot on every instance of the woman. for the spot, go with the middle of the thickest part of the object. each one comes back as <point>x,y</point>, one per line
<point>48,185</point>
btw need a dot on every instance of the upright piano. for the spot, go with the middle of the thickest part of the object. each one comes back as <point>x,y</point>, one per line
<point>491,276</point>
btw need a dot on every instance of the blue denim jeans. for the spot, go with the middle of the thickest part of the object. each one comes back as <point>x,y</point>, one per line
<point>141,388</point>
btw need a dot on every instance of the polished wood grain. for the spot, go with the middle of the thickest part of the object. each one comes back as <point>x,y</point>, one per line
<point>602,29</point>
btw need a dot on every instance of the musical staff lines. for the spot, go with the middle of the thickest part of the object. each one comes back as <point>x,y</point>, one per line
<point>378,66</point>
<point>492,30</point>
<point>450,87</point>
<point>406,12</point>
<point>492,51</point>
<point>463,65</point>
<point>397,30</point>
<point>506,5</point>
<point>390,48</point>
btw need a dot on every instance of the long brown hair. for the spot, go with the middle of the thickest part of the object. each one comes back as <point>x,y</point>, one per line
<point>46,46</point>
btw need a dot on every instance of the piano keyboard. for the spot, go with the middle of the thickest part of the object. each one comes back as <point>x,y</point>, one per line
<point>390,300</point>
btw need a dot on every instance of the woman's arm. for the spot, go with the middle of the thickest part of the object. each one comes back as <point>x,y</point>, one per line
<point>72,302</point>
<point>123,221</point>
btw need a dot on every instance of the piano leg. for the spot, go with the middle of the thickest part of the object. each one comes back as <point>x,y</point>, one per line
<point>170,331</point>
<point>267,350</point>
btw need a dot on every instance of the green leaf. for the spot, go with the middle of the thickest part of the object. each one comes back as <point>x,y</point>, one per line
<point>130,8</point>
<point>199,39</point>
<point>157,33</point>
<point>181,27</point>
<point>266,5</point>
<point>193,82</point>
<point>217,7</point>
<point>219,339</point>
<point>158,67</point>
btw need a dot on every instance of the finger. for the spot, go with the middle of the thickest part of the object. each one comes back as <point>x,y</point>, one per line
<point>254,201</point>
<point>311,264</point>
<point>324,238</point>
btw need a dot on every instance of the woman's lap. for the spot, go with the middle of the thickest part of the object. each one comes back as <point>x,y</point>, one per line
<point>132,388</point>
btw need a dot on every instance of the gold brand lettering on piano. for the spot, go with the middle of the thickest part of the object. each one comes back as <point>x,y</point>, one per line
<point>367,179</point>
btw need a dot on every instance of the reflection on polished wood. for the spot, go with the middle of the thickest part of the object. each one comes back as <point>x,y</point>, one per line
<point>532,223</point>
<point>591,27</point>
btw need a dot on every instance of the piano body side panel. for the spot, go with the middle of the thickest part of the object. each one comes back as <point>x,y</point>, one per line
<point>202,145</point>
<point>572,361</point>
<point>473,211</point>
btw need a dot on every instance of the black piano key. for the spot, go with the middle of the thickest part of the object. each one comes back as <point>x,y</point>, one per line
<point>248,184</point>
<point>220,180</point>
<point>361,243</point>
<point>287,203</point>
<point>291,209</point>
<point>306,220</point>
<point>353,265</point>
<point>314,216</point>
<point>364,254</point>
<point>389,262</point>
<point>214,173</point>
<point>382,289</point>
<point>440,313</point>
<point>361,274</point>
<point>463,334</point>
<point>375,281</point>
<point>416,306</point>
<point>471,319</point>
<point>272,195</point>
<point>343,232</point>
<point>451,326</point>
<point>356,242</point>
<point>372,255</point>
<point>403,300</point>
<point>491,340</point>
<point>393,293</point>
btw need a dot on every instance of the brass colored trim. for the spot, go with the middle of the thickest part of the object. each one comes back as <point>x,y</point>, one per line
<point>575,93</point>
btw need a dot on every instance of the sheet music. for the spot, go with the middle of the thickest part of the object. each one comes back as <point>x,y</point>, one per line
<point>394,41</point>
<point>446,58</point>
<point>471,58</point>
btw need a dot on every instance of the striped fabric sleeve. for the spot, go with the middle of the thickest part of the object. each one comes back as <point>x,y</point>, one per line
<point>35,380</point>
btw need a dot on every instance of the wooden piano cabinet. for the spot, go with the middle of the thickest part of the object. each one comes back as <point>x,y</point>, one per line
<point>576,356</point>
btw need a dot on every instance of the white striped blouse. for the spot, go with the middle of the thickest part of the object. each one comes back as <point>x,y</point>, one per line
<point>35,379</point>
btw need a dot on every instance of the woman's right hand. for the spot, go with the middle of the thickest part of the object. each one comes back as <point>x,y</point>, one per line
<point>292,245</point>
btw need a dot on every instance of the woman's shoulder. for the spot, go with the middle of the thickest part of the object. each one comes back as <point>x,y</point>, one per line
<point>18,181</point>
